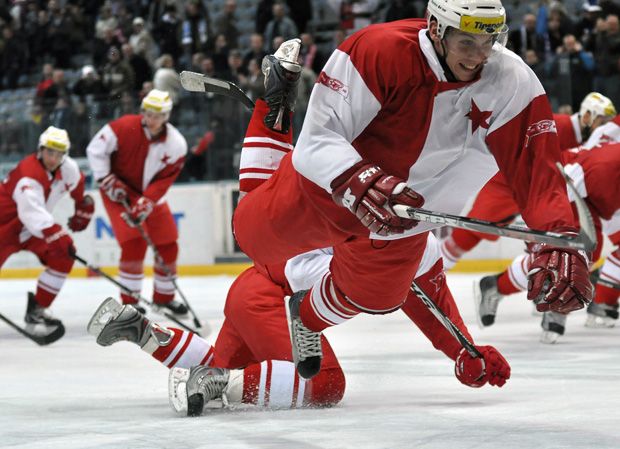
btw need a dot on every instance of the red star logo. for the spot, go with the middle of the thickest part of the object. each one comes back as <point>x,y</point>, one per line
<point>67,186</point>
<point>102,137</point>
<point>26,187</point>
<point>165,159</point>
<point>478,118</point>
<point>438,281</point>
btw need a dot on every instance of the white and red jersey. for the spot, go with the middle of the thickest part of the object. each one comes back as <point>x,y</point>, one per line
<point>596,175</point>
<point>148,166</point>
<point>569,130</point>
<point>607,133</point>
<point>383,97</point>
<point>30,192</point>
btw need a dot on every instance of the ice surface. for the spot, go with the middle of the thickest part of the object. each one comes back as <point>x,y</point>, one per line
<point>401,393</point>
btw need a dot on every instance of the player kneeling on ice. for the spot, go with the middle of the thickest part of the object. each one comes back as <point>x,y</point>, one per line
<point>135,159</point>
<point>27,197</point>
<point>252,362</point>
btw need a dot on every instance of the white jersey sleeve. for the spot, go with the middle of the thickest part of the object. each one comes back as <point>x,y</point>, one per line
<point>30,199</point>
<point>99,151</point>
<point>333,121</point>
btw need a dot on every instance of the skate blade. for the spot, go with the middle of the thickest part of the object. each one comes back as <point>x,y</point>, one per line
<point>177,389</point>
<point>477,302</point>
<point>549,338</point>
<point>598,322</point>
<point>109,309</point>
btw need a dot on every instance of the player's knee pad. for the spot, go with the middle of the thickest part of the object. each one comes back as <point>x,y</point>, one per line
<point>60,264</point>
<point>326,388</point>
<point>134,249</point>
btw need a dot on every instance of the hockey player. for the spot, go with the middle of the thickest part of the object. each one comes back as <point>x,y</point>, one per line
<point>595,172</point>
<point>495,201</point>
<point>27,197</point>
<point>413,112</point>
<point>251,359</point>
<point>135,159</point>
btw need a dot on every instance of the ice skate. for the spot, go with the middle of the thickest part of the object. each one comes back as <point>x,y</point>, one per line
<point>486,298</point>
<point>189,390</point>
<point>282,73</point>
<point>306,344</point>
<point>553,324</point>
<point>177,308</point>
<point>601,315</point>
<point>113,322</point>
<point>41,323</point>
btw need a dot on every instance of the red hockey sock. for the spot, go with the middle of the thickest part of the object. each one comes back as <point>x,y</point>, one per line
<point>505,285</point>
<point>606,295</point>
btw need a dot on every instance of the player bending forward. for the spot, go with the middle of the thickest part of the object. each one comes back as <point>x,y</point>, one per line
<point>135,159</point>
<point>27,198</point>
<point>597,174</point>
<point>251,361</point>
<point>417,113</point>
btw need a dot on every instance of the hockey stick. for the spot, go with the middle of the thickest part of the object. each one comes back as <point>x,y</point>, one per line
<point>197,82</point>
<point>585,240</point>
<point>447,323</point>
<point>160,260</point>
<point>40,340</point>
<point>133,294</point>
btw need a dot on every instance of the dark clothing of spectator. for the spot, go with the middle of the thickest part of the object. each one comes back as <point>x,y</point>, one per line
<point>118,78</point>
<point>226,24</point>
<point>90,87</point>
<point>400,9</point>
<point>196,34</point>
<point>577,69</point>
<point>264,15</point>
<point>167,33</point>
<point>300,11</point>
<point>521,40</point>
<point>142,71</point>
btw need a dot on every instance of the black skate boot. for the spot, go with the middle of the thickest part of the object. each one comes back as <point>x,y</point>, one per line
<point>554,325</point>
<point>602,315</point>
<point>487,299</point>
<point>282,74</point>
<point>40,322</point>
<point>189,390</point>
<point>176,307</point>
<point>113,322</point>
<point>307,350</point>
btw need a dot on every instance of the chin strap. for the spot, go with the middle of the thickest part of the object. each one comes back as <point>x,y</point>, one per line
<point>444,65</point>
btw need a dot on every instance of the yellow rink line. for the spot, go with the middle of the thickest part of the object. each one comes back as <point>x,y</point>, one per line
<point>464,266</point>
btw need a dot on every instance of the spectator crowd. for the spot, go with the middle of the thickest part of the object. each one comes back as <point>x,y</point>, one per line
<point>76,64</point>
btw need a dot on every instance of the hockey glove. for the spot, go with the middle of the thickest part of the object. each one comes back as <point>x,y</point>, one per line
<point>114,188</point>
<point>59,244</point>
<point>84,211</point>
<point>475,372</point>
<point>138,212</point>
<point>370,193</point>
<point>559,279</point>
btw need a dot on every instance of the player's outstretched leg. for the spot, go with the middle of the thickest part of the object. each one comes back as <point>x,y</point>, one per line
<point>282,73</point>
<point>554,325</point>
<point>113,322</point>
<point>487,298</point>
<point>189,390</point>
<point>602,315</point>
<point>40,322</point>
<point>307,351</point>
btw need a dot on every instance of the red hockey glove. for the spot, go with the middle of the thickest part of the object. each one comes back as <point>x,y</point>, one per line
<point>370,193</point>
<point>474,372</point>
<point>84,211</point>
<point>114,188</point>
<point>559,279</point>
<point>138,212</point>
<point>59,244</point>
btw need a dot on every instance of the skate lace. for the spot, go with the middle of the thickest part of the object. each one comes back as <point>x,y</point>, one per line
<point>214,385</point>
<point>308,342</point>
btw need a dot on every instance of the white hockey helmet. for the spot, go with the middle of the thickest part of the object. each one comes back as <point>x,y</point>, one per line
<point>55,139</point>
<point>597,105</point>
<point>470,16</point>
<point>157,101</point>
